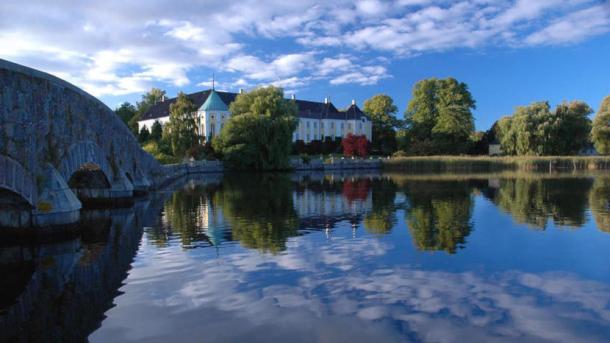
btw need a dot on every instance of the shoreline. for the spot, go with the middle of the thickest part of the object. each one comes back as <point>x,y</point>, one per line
<point>486,164</point>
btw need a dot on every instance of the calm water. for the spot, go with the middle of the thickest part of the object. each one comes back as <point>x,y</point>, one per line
<point>329,258</point>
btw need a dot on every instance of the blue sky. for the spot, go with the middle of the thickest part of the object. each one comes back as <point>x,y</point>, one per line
<point>509,52</point>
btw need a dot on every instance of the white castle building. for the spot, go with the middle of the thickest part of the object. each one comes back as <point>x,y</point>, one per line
<point>317,120</point>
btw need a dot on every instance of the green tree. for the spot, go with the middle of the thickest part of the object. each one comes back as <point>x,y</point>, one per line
<point>600,133</point>
<point>259,134</point>
<point>181,128</point>
<point>439,117</point>
<point>382,111</point>
<point>536,130</point>
<point>156,132</point>
<point>144,135</point>
<point>149,99</point>
<point>126,111</point>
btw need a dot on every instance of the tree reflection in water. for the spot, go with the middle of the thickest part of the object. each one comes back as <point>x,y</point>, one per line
<point>382,217</point>
<point>599,202</point>
<point>439,214</point>
<point>259,209</point>
<point>534,201</point>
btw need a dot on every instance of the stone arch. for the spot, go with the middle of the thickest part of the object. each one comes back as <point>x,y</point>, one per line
<point>16,179</point>
<point>81,154</point>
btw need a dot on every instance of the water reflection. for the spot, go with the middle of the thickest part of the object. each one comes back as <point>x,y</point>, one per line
<point>439,214</point>
<point>325,257</point>
<point>59,291</point>
<point>534,201</point>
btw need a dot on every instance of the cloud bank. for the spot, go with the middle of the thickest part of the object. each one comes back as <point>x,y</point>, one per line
<point>117,47</point>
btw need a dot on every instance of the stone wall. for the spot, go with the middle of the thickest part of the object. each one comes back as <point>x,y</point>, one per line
<point>43,117</point>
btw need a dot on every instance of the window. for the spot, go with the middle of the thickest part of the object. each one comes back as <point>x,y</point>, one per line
<point>341,126</point>
<point>315,125</point>
<point>308,125</point>
<point>308,137</point>
<point>212,129</point>
<point>322,125</point>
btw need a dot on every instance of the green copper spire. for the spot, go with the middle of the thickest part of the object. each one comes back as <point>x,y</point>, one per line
<point>214,103</point>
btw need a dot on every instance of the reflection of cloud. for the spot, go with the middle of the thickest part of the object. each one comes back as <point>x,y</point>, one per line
<point>326,291</point>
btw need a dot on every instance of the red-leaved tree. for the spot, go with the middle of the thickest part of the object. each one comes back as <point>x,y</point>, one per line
<point>355,145</point>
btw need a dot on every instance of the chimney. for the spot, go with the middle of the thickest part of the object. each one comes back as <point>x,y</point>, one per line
<point>241,91</point>
<point>293,97</point>
<point>326,100</point>
<point>353,102</point>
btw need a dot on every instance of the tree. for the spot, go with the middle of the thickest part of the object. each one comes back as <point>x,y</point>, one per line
<point>600,133</point>
<point>259,133</point>
<point>181,128</point>
<point>156,131</point>
<point>144,135</point>
<point>149,99</point>
<point>382,111</point>
<point>439,117</point>
<point>126,111</point>
<point>536,130</point>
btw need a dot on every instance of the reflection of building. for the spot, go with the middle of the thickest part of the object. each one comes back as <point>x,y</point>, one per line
<point>317,120</point>
<point>310,203</point>
<point>211,219</point>
<point>495,149</point>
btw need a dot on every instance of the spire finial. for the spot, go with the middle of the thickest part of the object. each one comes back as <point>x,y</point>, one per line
<point>212,81</point>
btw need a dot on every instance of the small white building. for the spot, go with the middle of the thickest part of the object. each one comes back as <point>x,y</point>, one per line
<point>317,120</point>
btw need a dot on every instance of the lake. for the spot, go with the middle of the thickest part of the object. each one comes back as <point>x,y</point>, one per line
<point>325,258</point>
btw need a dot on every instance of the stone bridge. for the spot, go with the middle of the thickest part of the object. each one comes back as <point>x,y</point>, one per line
<point>59,148</point>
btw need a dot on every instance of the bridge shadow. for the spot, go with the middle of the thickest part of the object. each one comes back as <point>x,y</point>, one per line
<point>59,290</point>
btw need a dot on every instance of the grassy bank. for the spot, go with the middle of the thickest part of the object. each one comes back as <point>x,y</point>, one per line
<point>485,164</point>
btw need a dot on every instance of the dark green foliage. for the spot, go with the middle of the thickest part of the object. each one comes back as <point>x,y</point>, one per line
<point>156,132</point>
<point>181,128</point>
<point>536,130</point>
<point>600,134</point>
<point>439,117</point>
<point>144,135</point>
<point>258,136</point>
<point>382,111</point>
<point>126,111</point>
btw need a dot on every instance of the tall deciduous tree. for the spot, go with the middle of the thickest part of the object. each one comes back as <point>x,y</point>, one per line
<point>600,133</point>
<point>382,111</point>
<point>181,128</point>
<point>259,134</point>
<point>536,130</point>
<point>439,117</point>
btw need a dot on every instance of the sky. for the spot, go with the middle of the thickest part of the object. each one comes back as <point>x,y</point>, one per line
<point>509,52</point>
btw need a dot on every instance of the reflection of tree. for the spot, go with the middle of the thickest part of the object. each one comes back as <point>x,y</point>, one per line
<point>259,209</point>
<point>533,201</point>
<point>183,214</point>
<point>381,219</point>
<point>356,189</point>
<point>599,201</point>
<point>439,214</point>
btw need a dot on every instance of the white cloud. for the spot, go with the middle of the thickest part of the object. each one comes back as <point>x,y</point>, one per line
<point>574,27</point>
<point>114,47</point>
